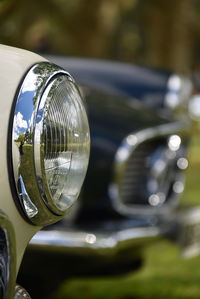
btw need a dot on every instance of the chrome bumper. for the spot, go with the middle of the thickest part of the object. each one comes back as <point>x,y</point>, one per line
<point>94,243</point>
<point>182,227</point>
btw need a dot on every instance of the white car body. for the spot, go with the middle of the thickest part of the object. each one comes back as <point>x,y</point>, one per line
<point>14,64</point>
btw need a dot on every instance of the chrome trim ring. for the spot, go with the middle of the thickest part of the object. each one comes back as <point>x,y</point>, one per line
<point>124,153</point>
<point>28,167</point>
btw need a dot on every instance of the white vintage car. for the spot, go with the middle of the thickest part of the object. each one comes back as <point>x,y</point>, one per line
<point>44,154</point>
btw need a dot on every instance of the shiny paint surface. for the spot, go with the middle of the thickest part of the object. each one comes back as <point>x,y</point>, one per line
<point>120,79</point>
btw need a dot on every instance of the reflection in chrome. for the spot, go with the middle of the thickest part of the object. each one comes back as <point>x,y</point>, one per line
<point>178,187</point>
<point>194,107</point>
<point>161,168</point>
<point>172,98</point>
<point>101,242</point>
<point>90,238</point>
<point>157,199</point>
<point>51,131</point>
<point>179,90</point>
<point>21,293</point>
<point>182,163</point>
<point>30,208</point>
<point>188,235</point>
<point>174,142</point>
<point>7,258</point>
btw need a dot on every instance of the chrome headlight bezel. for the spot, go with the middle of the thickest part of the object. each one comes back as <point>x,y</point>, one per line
<point>33,196</point>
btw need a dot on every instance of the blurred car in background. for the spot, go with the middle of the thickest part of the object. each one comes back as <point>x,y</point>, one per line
<point>140,132</point>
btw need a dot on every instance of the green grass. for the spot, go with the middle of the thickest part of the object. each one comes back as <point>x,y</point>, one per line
<point>165,273</point>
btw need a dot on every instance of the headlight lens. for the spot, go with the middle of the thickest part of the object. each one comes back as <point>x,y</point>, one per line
<point>50,130</point>
<point>61,142</point>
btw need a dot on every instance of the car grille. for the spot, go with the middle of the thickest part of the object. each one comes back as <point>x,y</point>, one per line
<point>133,187</point>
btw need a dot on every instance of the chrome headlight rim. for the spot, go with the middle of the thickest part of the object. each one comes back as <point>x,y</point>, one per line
<point>40,211</point>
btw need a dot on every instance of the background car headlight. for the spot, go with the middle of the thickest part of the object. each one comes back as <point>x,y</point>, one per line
<point>50,143</point>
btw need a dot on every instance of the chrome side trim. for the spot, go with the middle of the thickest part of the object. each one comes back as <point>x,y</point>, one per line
<point>29,187</point>
<point>123,154</point>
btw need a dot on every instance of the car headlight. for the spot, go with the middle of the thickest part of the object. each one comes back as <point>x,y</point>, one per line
<point>50,143</point>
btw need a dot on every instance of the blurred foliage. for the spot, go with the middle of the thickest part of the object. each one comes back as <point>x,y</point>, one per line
<point>158,33</point>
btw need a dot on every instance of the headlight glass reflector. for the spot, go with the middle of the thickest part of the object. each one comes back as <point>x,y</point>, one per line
<point>61,142</point>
